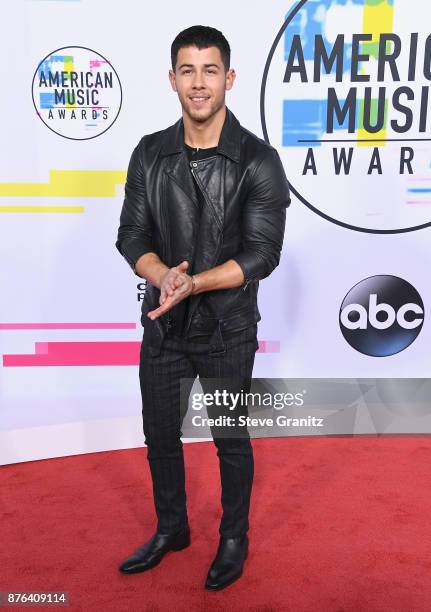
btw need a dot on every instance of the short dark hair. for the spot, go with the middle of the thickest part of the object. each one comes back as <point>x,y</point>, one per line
<point>201,37</point>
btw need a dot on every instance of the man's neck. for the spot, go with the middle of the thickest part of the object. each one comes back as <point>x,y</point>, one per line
<point>204,135</point>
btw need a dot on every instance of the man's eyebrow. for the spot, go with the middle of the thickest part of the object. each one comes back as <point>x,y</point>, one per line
<point>192,65</point>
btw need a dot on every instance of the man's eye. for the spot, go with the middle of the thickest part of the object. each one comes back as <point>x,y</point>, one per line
<point>186,71</point>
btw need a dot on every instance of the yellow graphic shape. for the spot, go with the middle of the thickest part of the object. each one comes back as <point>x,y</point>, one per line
<point>378,18</point>
<point>69,184</point>
<point>69,67</point>
<point>41,209</point>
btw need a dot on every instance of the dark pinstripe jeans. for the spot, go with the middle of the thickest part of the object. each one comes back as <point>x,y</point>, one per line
<point>160,377</point>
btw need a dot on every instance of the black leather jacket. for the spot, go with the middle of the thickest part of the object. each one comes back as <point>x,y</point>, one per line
<point>246,193</point>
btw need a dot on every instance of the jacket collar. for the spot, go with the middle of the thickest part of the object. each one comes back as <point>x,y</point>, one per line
<point>229,143</point>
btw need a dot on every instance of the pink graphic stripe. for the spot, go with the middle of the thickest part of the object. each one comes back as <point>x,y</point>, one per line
<point>78,354</point>
<point>269,346</point>
<point>42,348</point>
<point>94,354</point>
<point>67,326</point>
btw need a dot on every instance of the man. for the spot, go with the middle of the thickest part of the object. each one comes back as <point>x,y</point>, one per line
<point>202,221</point>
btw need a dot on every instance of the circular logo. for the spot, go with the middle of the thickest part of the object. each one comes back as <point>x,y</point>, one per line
<point>381,315</point>
<point>345,99</point>
<point>76,93</point>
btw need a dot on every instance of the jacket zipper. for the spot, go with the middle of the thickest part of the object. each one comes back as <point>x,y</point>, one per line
<point>194,164</point>
<point>248,281</point>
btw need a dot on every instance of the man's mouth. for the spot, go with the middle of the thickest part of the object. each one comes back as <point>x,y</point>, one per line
<point>199,100</point>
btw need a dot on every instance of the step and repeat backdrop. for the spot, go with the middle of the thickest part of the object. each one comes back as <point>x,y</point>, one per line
<point>340,87</point>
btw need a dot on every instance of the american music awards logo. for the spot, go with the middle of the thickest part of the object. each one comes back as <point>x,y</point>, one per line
<point>76,93</point>
<point>345,99</point>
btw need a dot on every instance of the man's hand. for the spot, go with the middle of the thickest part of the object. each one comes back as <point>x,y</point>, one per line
<point>176,285</point>
<point>173,278</point>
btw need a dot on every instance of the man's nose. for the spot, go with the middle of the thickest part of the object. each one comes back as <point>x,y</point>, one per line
<point>198,80</point>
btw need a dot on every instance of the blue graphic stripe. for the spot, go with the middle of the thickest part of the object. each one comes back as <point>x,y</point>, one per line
<point>306,120</point>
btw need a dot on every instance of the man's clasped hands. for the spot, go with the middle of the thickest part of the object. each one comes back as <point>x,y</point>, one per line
<point>176,285</point>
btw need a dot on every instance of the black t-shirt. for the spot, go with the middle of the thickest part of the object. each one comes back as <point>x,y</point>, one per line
<point>180,311</point>
<point>196,153</point>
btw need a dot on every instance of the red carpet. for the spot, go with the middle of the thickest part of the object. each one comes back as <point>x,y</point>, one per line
<point>337,524</point>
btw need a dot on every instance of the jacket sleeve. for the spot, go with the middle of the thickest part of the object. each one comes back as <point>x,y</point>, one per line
<point>264,218</point>
<point>136,224</point>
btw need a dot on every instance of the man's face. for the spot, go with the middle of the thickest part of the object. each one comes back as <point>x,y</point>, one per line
<point>200,79</point>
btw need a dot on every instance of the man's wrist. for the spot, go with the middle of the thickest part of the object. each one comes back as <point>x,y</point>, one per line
<point>194,284</point>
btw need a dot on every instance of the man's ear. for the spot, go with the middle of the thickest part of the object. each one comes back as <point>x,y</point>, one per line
<point>230,78</point>
<point>172,80</point>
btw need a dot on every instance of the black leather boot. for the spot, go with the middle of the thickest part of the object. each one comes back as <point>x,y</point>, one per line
<point>228,563</point>
<point>152,552</point>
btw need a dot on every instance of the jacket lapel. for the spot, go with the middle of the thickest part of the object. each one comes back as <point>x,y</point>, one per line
<point>178,170</point>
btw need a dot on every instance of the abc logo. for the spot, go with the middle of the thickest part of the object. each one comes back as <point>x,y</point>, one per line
<point>381,315</point>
